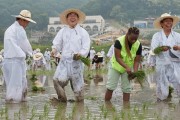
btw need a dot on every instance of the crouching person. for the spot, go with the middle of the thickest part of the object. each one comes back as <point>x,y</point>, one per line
<point>74,42</point>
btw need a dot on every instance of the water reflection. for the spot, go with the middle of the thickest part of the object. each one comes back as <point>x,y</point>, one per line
<point>61,110</point>
<point>16,111</point>
<point>75,113</point>
<point>98,78</point>
<point>94,106</point>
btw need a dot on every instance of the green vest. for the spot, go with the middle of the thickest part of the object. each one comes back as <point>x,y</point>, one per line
<point>127,60</point>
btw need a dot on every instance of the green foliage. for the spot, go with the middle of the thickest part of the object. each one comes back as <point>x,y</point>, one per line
<point>128,10</point>
<point>41,10</point>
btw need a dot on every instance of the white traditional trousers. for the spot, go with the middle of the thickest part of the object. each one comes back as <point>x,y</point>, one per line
<point>14,71</point>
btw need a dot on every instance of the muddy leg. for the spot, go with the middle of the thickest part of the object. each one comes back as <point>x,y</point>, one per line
<point>79,96</point>
<point>60,91</point>
<point>126,97</point>
<point>108,95</point>
<point>24,96</point>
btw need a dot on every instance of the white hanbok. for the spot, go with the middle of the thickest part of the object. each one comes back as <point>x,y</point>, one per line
<point>16,47</point>
<point>71,41</point>
<point>110,51</point>
<point>47,56</point>
<point>92,53</point>
<point>167,67</point>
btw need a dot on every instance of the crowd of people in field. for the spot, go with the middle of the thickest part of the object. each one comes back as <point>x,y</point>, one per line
<point>72,42</point>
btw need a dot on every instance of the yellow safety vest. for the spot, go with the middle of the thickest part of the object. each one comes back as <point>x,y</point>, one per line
<point>127,60</point>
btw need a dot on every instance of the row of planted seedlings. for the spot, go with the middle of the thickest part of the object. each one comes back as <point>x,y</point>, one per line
<point>104,112</point>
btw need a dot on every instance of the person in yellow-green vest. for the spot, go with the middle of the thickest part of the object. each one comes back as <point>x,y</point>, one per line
<point>126,58</point>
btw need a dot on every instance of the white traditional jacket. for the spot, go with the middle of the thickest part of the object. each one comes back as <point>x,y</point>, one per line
<point>16,43</point>
<point>71,41</point>
<point>160,39</point>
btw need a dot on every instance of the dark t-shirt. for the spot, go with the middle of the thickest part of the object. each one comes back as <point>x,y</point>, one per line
<point>118,46</point>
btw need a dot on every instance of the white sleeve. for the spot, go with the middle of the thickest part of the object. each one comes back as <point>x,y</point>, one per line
<point>57,42</point>
<point>85,44</point>
<point>110,52</point>
<point>155,41</point>
<point>24,42</point>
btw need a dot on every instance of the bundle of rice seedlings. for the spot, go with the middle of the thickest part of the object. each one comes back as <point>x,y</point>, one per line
<point>35,88</point>
<point>33,78</point>
<point>159,49</point>
<point>86,61</point>
<point>171,89</point>
<point>139,75</point>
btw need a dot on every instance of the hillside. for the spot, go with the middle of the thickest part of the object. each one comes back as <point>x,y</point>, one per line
<point>41,10</point>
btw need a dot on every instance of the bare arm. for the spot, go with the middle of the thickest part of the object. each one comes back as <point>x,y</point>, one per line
<point>136,62</point>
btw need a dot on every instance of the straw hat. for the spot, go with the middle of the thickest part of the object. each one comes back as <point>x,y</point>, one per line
<point>58,55</point>
<point>99,54</point>
<point>26,15</point>
<point>164,16</point>
<point>151,53</point>
<point>64,14</point>
<point>37,56</point>
<point>38,50</point>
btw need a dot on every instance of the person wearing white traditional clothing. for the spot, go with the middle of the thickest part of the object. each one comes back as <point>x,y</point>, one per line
<point>73,41</point>
<point>168,61</point>
<point>16,47</point>
<point>151,62</point>
<point>92,53</point>
<point>47,56</point>
<point>1,75</point>
<point>103,55</point>
<point>110,51</point>
<point>38,60</point>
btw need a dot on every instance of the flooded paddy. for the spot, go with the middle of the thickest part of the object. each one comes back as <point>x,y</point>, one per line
<point>42,106</point>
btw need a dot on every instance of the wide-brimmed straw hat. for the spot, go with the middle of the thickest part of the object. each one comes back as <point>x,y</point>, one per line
<point>63,15</point>
<point>38,50</point>
<point>26,15</point>
<point>164,16</point>
<point>37,56</point>
<point>151,53</point>
<point>99,54</point>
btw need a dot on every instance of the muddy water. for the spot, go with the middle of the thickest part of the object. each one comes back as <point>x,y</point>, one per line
<point>143,105</point>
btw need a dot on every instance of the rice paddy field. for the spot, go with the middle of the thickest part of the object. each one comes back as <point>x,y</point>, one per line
<point>40,105</point>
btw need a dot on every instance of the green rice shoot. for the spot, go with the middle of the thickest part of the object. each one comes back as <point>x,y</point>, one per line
<point>139,75</point>
<point>86,61</point>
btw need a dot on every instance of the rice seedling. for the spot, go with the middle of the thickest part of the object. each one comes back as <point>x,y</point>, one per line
<point>159,49</point>
<point>33,113</point>
<point>86,61</point>
<point>139,75</point>
<point>36,86</point>
<point>171,89</point>
<point>91,98</point>
<point>88,113</point>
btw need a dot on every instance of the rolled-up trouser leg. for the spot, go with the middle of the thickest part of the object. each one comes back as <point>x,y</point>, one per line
<point>60,91</point>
